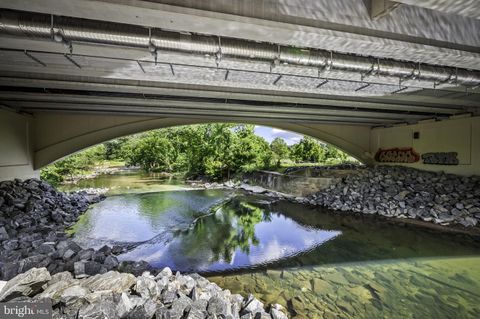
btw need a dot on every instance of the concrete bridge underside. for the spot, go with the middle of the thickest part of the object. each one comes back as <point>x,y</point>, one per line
<point>360,75</point>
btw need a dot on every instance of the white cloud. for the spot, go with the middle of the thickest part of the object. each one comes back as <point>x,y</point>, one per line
<point>271,133</point>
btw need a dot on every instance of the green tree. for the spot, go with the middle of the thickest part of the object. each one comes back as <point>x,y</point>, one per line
<point>113,148</point>
<point>334,156</point>
<point>280,150</point>
<point>308,150</point>
<point>153,152</point>
<point>72,165</point>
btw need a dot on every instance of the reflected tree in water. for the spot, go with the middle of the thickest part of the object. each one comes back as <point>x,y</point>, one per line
<point>228,228</point>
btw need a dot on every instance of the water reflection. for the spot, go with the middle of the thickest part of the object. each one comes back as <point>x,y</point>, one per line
<point>235,235</point>
<point>222,231</point>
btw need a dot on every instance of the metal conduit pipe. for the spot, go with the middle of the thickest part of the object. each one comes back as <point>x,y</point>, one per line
<point>65,29</point>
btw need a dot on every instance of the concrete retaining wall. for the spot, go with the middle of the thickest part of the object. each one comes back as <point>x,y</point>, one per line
<point>460,135</point>
<point>291,184</point>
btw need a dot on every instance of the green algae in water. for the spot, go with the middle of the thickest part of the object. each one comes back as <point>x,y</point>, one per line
<point>417,288</point>
<point>128,182</point>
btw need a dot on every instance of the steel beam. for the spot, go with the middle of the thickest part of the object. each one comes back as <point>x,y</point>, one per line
<point>425,104</point>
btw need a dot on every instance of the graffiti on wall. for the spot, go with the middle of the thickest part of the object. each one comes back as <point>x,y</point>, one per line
<point>440,158</point>
<point>397,155</point>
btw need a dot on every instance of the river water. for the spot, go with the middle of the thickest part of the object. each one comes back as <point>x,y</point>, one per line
<point>317,263</point>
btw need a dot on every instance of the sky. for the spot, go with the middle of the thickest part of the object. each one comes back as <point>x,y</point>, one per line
<point>270,133</point>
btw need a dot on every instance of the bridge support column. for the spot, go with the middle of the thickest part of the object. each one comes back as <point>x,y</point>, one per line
<point>16,150</point>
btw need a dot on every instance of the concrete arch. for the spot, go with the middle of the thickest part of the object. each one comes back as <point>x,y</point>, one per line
<point>59,135</point>
<point>29,142</point>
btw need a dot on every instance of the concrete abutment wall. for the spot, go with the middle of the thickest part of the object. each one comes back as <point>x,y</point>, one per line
<point>16,146</point>
<point>460,135</point>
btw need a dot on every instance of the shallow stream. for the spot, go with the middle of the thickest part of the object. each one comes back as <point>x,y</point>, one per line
<point>318,263</point>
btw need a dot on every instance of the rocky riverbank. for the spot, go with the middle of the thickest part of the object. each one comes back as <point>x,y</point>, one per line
<point>122,295</point>
<point>42,263</point>
<point>33,219</point>
<point>401,192</point>
<point>97,171</point>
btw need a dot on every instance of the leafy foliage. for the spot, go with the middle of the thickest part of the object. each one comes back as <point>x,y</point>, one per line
<point>72,165</point>
<point>280,150</point>
<point>308,150</point>
<point>216,151</point>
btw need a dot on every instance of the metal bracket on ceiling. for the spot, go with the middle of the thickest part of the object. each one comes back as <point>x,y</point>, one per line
<point>218,54</point>
<point>400,90</point>
<point>151,47</point>
<point>226,75</point>
<point>452,79</point>
<point>416,72</point>
<point>141,66</point>
<point>171,69</point>
<point>34,58</point>
<point>380,8</point>
<point>374,70</point>
<point>70,58</point>
<point>57,36</point>
<point>322,84</point>
<point>329,63</point>
<point>276,60</point>
<point>277,79</point>
<point>362,87</point>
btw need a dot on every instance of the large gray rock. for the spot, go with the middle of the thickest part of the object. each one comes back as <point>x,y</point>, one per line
<point>147,287</point>
<point>98,310</point>
<point>110,262</point>
<point>276,312</point>
<point>179,307</point>
<point>252,305</point>
<point>112,280</point>
<point>198,309</point>
<point>219,306</point>
<point>88,268</point>
<point>3,234</point>
<point>27,284</point>
<point>73,295</point>
<point>124,305</point>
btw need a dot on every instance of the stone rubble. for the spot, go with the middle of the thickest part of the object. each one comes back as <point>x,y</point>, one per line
<point>33,219</point>
<point>395,191</point>
<point>121,295</point>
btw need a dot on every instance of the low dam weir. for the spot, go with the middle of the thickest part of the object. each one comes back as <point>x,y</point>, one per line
<point>301,182</point>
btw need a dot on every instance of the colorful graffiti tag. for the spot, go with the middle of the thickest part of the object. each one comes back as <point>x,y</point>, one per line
<point>397,155</point>
<point>440,158</point>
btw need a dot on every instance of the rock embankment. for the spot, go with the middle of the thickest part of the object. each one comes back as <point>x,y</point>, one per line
<point>121,295</point>
<point>401,192</point>
<point>33,218</point>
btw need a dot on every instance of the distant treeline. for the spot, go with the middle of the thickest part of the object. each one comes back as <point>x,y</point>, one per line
<point>217,151</point>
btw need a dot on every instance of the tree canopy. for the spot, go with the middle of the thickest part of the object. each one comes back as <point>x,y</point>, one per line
<point>217,151</point>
